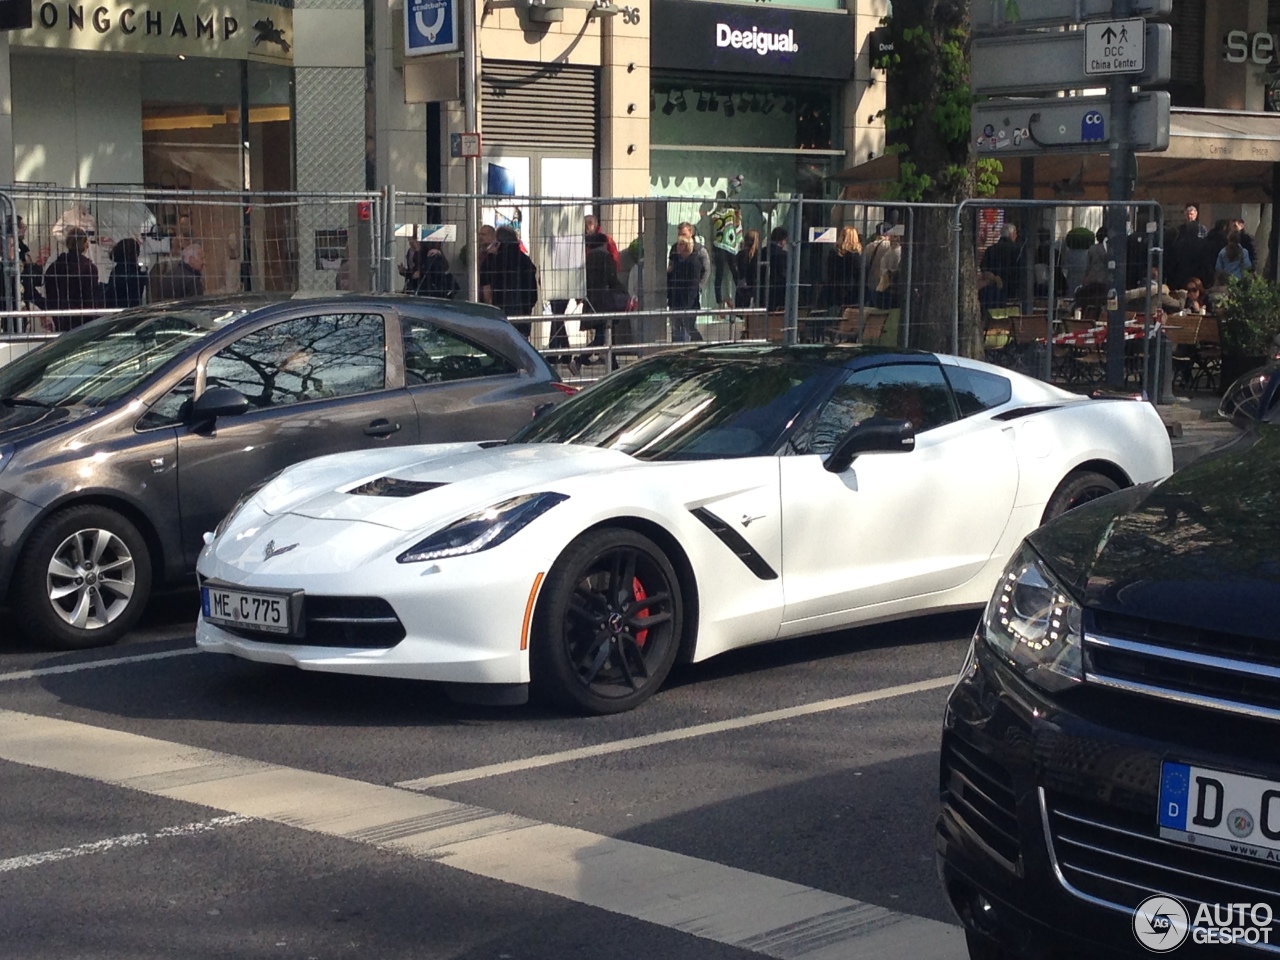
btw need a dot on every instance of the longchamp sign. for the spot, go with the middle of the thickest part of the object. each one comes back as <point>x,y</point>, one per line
<point>227,29</point>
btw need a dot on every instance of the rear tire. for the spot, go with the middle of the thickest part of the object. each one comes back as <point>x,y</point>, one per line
<point>608,624</point>
<point>1077,489</point>
<point>83,580</point>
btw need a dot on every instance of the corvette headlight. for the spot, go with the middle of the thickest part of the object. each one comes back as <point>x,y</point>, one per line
<point>1034,624</point>
<point>482,530</point>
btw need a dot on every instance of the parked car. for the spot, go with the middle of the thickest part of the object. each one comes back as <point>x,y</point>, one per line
<point>1111,738</point>
<point>124,441</point>
<point>692,503</point>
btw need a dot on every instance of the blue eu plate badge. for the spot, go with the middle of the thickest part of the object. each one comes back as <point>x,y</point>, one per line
<point>430,26</point>
<point>1224,811</point>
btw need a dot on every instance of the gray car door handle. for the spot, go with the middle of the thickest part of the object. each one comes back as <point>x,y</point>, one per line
<point>381,428</point>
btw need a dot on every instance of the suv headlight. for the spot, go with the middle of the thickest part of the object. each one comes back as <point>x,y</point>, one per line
<point>482,530</point>
<point>1034,624</point>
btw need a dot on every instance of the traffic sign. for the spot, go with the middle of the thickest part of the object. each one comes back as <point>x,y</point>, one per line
<point>1115,47</point>
<point>1034,128</point>
<point>988,15</point>
<point>1012,64</point>
<point>431,26</point>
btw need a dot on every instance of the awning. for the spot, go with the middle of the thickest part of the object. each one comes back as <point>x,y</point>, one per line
<point>1213,157</point>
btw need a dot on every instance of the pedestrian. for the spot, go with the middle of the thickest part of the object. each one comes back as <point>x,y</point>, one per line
<point>590,228</point>
<point>1003,259</point>
<point>844,270</point>
<point>1246,239</point>
<point>509,279</point>
<point>1233,259</point>
<point>178,279</point>
<point>684,275</point>
<point>685,229</point>
<point>127,285</point>
<point>883,259</point>
<point>1097,271</point>
<point>605,294</point>
<point>434,276</point>
<point>71,280</point>
<point>411,268</point>
<point>1184,258</point>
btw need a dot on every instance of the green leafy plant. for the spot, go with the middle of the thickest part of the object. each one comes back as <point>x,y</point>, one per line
<point>1249,316</point>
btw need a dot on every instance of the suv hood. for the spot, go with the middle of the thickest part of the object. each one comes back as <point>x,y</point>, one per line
<point>1201,550</point>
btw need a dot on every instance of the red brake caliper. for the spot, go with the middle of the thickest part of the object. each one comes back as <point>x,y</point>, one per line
<point>637,590</point>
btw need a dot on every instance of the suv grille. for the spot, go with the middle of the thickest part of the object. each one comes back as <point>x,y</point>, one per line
<point>1217,671</point>
<point>1116,858</point>
<point>980,792</point>
<point>365,622</point>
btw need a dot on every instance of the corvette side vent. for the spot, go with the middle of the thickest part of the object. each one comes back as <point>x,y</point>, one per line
<point>736,543</point>
<point>391,487</point>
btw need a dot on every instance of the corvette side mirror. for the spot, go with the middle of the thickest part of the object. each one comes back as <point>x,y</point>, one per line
<point>873,435</point>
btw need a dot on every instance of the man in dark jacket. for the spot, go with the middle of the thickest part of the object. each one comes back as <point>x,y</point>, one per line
<point>71,281</point>
<point>179,279</point>
<point>509,280</point>
<point>1003,259</point>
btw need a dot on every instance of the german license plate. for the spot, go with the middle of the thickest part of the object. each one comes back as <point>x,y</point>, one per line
<point>268,612</point>
<point>1223,811</point>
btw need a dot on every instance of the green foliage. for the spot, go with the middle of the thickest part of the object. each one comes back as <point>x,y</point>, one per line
<point>988,170</point>
<point>1249,316</point>
<point>912,184</point>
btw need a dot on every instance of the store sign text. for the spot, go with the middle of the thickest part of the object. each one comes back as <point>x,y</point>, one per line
<point>761,41</point>
<point>129,22</point>
<point>1260,48</point>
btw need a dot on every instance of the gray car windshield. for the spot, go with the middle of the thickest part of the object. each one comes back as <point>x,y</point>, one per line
<point>687,408</point>
<point>105,360</point>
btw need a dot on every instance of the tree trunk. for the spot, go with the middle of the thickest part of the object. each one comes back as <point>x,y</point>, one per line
<point>928,118</point>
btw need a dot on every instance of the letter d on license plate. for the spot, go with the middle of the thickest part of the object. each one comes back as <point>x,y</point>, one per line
<point>1223,811</point>
<point>249,610</point>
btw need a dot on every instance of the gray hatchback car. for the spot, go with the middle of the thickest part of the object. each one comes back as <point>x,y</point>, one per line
<point>122,442</point>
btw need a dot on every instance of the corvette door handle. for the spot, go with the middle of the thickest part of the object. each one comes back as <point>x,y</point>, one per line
<point>381,428</point>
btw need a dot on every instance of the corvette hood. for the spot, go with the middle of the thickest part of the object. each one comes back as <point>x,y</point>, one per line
<point>412,488</point>
<point>1199,550</point>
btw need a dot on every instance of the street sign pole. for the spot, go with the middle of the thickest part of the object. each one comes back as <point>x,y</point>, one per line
<point>1119,192</point>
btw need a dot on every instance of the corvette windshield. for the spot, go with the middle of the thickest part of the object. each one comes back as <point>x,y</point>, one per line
<point>687,407</point>
<point>105,360</point>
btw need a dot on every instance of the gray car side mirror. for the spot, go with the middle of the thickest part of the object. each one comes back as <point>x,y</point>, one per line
<point>218,402</point>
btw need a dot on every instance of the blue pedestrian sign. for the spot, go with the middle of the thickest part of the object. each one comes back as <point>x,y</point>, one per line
<point>431,26</point>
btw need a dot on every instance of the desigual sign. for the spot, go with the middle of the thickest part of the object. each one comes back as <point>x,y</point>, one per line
<point>228,29</point>
<point>736,38</point>
<point>756,39</point>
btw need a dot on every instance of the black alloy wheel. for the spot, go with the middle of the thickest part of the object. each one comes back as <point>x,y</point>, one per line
<point>1077,489</point>
<point>608,625</point>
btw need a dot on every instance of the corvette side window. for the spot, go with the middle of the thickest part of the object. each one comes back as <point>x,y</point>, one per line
<point>915,392</point>
<point>977,390</point>
<point>432,355</point>
<point>309,358</point>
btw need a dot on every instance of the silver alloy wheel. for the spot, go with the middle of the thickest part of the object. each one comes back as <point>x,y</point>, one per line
<point>91,579</point>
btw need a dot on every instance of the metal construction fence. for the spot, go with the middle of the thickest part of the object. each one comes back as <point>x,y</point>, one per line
<point>610,281</point>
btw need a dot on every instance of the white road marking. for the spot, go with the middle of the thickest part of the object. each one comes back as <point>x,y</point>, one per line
<point>95,664</point>
<point>672,736</point>
<point>770,917</point>
<point>116,843</point>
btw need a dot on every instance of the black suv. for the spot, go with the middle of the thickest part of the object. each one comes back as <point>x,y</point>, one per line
<point>123,442</point>
<point>1114,735</point>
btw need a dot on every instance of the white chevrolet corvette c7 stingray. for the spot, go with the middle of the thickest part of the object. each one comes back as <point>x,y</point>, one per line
<point>696,502</point>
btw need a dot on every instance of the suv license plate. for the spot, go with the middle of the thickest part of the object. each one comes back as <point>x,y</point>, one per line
<point>241,608</point>
<point>1223,811</point>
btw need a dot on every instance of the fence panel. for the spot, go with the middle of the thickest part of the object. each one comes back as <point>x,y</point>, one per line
<point>599,301</point>
<point>149,244</point>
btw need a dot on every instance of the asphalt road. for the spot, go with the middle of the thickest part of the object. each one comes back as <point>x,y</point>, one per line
<point>164,803</point>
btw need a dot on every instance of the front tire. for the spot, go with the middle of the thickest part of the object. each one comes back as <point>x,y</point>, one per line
<point>608,625</point>
<point>83,580</point>
<point>1077,489</point>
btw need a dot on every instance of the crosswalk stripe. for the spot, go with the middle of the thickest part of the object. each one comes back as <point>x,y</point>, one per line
<point>117,843</point>
<point>95,664</point>
<point>771,917</point>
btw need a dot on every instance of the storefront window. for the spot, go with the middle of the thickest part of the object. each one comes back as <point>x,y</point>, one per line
<point>778,138</point>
